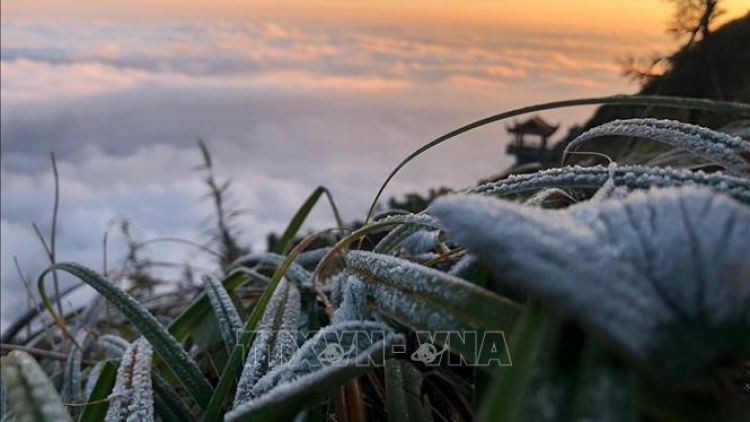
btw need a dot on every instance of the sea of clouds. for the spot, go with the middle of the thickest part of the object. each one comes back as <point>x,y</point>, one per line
<point>283,108</point>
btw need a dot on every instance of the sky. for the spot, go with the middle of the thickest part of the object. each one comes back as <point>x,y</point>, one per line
<point>288,95</point>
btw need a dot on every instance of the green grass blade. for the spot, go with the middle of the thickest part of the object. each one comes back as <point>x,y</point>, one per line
<point>643,100</point>
<point>97,405</point>
<point>71,388</point>
<point>168,405</point>
<point>165,345</point>
<point>503,400</point>
<point>31,395</point>
<point>226,314</point>
<point>403,383</point>
<point>183,324</point>
<point>458,298</point>
<point>285,243</point>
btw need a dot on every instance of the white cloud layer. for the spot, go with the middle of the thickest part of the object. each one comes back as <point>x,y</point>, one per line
<point>283,109</point>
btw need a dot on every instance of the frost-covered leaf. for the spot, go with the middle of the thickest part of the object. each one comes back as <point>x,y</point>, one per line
<point>275,338</point>
<point>334,355</point>
<point>630,176</point>
<point>71,387</point>
<point>354,301</point>
<point>226,314</point>
<point>169,405</point>
<point>311,258</point>
<point>31,395</point>
<point>421,242</point>
<point>716,147</point>
<point>407,225</point>
<point>662,275</point>
<point>463,265</point>
<point>295,273</point>
<point>449,297</point>
<point>115,346</point>
<point>132,399</point>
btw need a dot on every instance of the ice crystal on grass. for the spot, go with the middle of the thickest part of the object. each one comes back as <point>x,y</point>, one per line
<point>661,274</point>
<point>132,398</point>
<point>285,343</point>
<point>275,338</point>
<point>411,311</point>
<point>226,314</point>
<point>309,375</point>
<point>716,147</point>
<point>630,176</point>
<point>71,391</point>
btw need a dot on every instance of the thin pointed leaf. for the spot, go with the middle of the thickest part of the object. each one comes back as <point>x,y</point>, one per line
<point>455,297</point>
<point>295,273</point>
<point>71,388</point>
<point>410,224</point>
<point>235,362</point>
<point>285,243</point>
<point>282,312</point>
<point>403,386</point>
<point>183,324</point>
<point>226,314</point>
<point>354,302</point>
<point>133,396</point>
<point>92,377</point>
<point>715,147</point>
<point>504,398</point>
<point>114,345</point>
<point>169,406</point>
<point>102,383</point>
<point>631,176</point>
<point>170,350</point>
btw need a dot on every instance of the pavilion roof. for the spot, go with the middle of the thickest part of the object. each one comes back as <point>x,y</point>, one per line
<point>533,126</point>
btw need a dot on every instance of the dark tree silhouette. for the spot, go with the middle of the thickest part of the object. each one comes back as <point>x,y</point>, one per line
<point>693,18</point>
